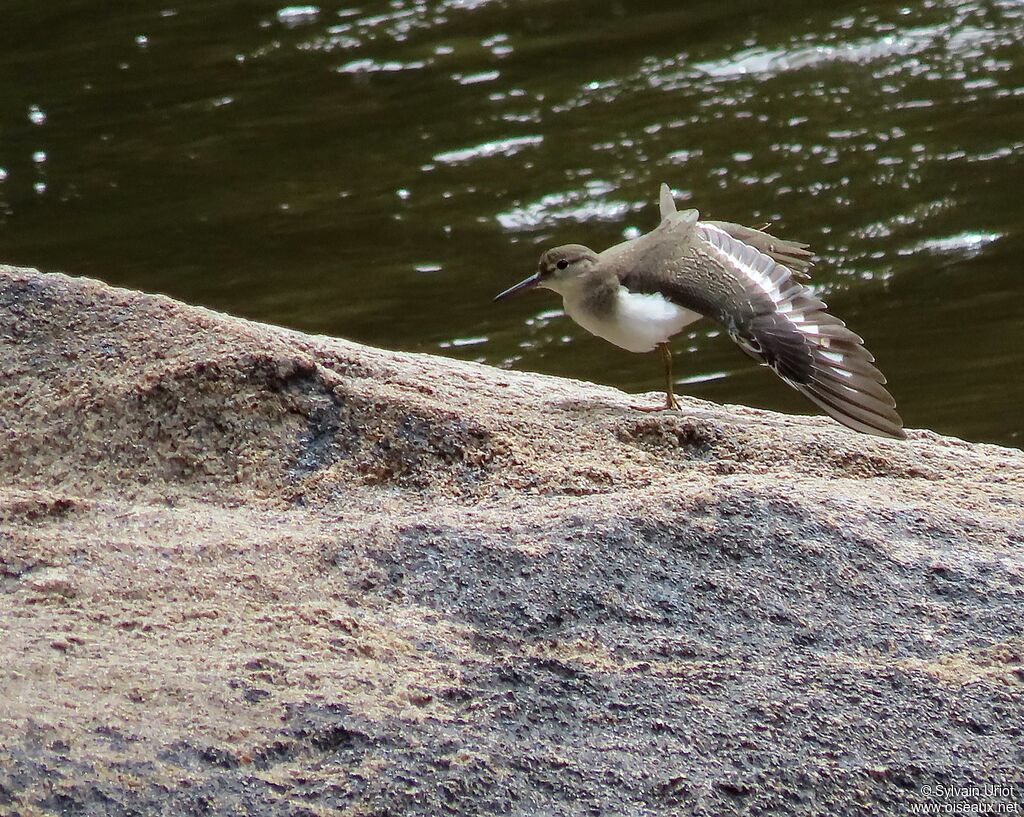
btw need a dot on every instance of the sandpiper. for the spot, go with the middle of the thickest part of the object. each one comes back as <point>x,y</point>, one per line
<point>641,293</point>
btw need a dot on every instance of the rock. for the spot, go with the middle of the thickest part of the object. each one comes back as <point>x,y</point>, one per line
<point>250,571</point>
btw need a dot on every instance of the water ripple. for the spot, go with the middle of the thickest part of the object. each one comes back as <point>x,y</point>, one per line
<point>967,244</point>
<point>498,147</point>
<point>573,205</point>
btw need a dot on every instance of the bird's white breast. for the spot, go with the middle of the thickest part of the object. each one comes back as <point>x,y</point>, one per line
<point>637,323</point>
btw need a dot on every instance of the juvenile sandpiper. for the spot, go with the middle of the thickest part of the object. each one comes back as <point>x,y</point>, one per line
<point>641,293</point>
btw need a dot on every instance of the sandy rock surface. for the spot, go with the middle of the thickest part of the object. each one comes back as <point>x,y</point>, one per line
<point>248,571</point>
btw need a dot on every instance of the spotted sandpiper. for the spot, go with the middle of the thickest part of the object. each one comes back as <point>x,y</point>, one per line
<point>641,293</point>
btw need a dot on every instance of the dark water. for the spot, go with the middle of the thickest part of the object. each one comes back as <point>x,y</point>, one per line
<point>379,171</point>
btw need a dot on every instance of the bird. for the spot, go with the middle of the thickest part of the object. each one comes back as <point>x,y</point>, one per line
<point>642,292</point>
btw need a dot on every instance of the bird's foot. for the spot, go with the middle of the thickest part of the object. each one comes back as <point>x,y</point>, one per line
<point>670,404</point>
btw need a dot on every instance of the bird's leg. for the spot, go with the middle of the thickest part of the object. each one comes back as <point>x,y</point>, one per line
<point>670,398</point>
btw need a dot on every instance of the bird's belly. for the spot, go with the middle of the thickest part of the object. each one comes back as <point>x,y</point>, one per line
<point>637,323</point>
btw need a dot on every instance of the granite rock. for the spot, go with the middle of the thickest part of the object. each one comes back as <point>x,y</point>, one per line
<point>245,570</point>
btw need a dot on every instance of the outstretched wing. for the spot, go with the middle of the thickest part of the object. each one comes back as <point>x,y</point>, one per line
<point>751,291</point>
<point>810,349</point>
<point>793,254</point>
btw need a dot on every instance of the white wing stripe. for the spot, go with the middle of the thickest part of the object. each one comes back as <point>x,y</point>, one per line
<point>766,275</point>
<point>755,266</point>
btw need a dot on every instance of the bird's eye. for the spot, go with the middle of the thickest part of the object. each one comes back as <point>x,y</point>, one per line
<point>562,264</point>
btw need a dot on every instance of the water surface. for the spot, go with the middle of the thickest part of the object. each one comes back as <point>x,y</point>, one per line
<point>380,170</point>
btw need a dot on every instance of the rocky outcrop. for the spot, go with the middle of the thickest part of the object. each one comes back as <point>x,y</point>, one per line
<point>245,570</point>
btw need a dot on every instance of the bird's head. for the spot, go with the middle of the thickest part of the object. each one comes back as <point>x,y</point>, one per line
<point>559,269</point>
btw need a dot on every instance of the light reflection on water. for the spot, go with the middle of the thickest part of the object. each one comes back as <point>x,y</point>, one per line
<point>381,171</point>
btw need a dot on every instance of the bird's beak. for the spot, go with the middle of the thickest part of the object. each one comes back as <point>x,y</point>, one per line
<point>529,283</point>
